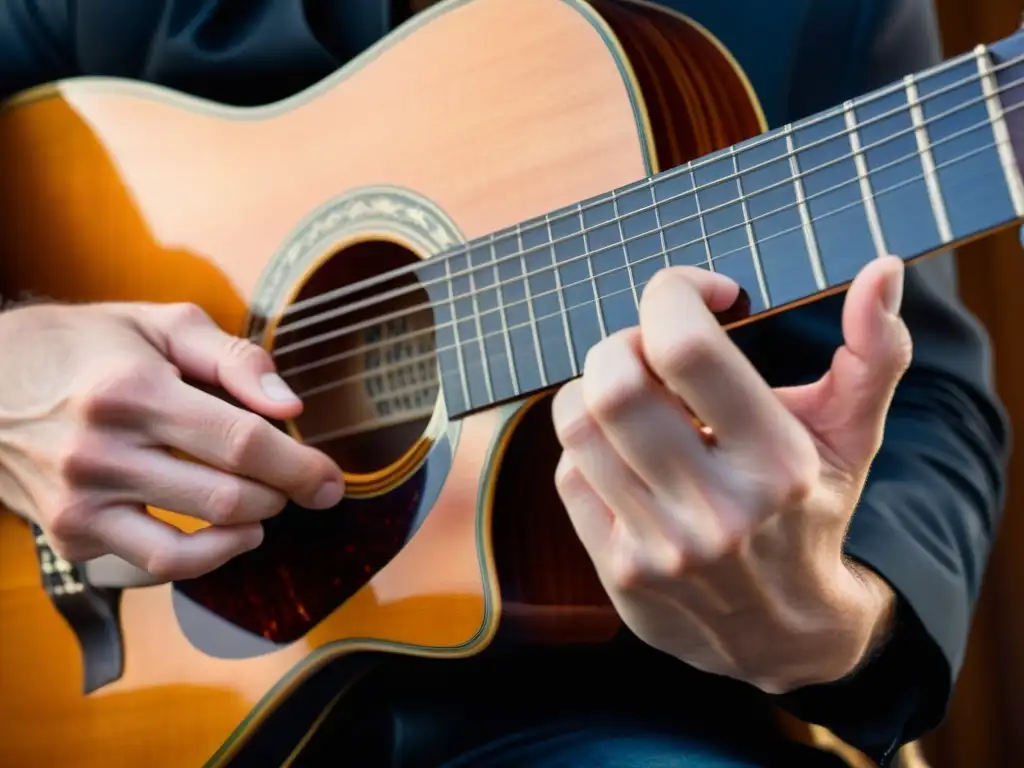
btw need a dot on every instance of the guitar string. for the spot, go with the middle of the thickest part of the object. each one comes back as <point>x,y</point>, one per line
<point>661,255</point>
<point>548,248</point>
<point>671,174</point>
<point>590,280</point>
<point>375,422</point>
<point>644,185</point>
<point>629,265</point>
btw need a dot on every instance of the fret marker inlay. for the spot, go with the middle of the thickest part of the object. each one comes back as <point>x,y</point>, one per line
<point>867,196</point>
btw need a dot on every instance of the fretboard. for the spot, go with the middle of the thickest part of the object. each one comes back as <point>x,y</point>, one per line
<point>910,170</point>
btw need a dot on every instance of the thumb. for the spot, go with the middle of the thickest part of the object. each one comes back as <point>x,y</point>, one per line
<point>202,351</point>
<point>848,406</point>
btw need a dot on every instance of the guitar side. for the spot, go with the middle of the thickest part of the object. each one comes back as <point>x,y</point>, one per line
<point>120,191</point>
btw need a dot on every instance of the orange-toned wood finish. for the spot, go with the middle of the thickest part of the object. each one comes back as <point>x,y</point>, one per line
<point>119,191</point>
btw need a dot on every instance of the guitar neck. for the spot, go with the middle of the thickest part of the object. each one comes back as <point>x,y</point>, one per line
<point>792,215</point>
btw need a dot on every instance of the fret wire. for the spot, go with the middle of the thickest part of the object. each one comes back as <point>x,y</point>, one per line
<point>847,206</point>
<point>569,347</point>
<point>661,229</point>
<point>598,306</point>
<point>682,169</point>
<point>453,312</point>
<point>863,176</point>
<point>990,90</point>
<point>755,253</point>
<point>931,178</point>
<point>625,250</point>
<point>810,238</point>
<point>961,132</point>
<point>529,307</point>
<point>700,218</point>
<point>872,97</point>
<point>488,382</point>
<point>503,319</point>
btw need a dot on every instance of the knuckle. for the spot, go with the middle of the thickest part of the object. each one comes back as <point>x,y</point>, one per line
<point>679,355</point>
<point>664,280</point>
<point>185,313</point>
<point>904,349</point>
<point>68,519</point>
<point>573,424</point>
<point>728,543</point>
<point>674,562</point>
<point>568,480</point>
<point>242,436</point>
<point>165,565</point>
<point>245,350</point>
<point>225,502</point>
<point>618,389</point>
<point>789,485</point>
<point>119,394</point>
<point>69,550</point>
<point>626,573</point>
<point>795,485</point>
<point>80,461</point>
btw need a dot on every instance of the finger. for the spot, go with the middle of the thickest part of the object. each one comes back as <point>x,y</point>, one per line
<point>243,443</point>
<point>688,350</point>
<point>847,407</point>
<point>166,552</point>
<point>633,503</point>
<point>648,426</point>
<point>876,352</point>
<point>591,518</point>
<point>612,548</point>
<point>202,351</point>
<point>75,549</point>
<point>160,480</point>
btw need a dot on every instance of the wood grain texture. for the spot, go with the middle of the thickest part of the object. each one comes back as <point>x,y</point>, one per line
<point>113,191</point>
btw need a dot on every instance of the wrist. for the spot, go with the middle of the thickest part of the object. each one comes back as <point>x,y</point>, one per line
<point>878,617</point>
<point>866,618</point>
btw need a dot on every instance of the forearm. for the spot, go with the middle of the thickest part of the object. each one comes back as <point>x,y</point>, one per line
<point>929,512</point>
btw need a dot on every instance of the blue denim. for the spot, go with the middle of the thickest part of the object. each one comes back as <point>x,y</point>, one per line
<point>617,744</point>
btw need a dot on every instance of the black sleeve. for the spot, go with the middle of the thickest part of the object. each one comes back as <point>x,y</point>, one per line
<point>932,505</point>
<point>930,511</point>
<point>233,51</point>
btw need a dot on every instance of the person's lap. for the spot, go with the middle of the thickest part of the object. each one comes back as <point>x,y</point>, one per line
<point>579,709</point>
<point>607,743</point>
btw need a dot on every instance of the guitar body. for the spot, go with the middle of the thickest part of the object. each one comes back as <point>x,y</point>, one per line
<point>475,115</point>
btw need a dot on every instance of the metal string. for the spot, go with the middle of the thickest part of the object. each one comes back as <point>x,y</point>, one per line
<point>366,424</point>
<point>643,185</point>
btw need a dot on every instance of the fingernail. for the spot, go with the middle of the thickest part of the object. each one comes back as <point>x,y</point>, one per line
<point>329,494</point>
<point>892,296</point>
<point>275,388</point>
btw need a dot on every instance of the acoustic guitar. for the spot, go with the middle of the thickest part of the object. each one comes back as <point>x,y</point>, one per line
<point>429,241</point>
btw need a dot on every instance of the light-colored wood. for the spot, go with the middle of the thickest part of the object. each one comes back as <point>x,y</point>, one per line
<point>114,191</point>
<point>117,191</point>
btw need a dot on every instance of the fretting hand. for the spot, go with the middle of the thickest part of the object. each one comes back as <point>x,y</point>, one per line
<point>727,553</point>
<point>93,403</point>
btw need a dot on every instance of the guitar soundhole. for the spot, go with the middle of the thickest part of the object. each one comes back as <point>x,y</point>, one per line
<point>364,364</point>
